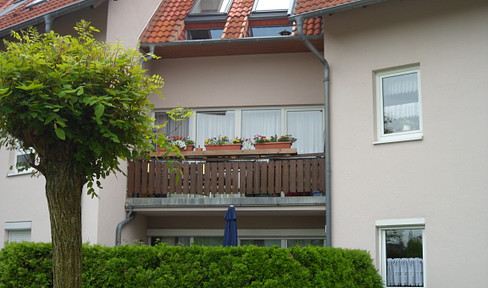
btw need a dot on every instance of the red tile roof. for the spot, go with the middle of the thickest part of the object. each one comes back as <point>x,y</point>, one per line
<point>22,14</point>
<point>168,23</point>
<point>311,5</point>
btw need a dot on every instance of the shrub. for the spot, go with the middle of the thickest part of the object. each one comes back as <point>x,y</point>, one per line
<point>29,265</point>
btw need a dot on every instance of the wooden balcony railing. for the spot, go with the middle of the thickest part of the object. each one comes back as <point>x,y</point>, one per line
<point>250,177</point>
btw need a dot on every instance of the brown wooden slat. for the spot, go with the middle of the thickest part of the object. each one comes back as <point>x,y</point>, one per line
<point>315,175</point>
<point>130,179</point>
<point>271,177</point>
<point>293,176</point>
<point>157,178</point>
<point>307,176</point>
<point>185,178</point>
<point>322,174</point>
<point>172,179</point>
<point>220,177</point>
<point>257,178</point>
<point>206,178</point>
<point>228,177</point>
<point>286,176</point>
<point>243,177</point>
<point>200,175</point>
<point>263,187</point>
<point>165,178</point>
<point>150,184</point>
<point>300,176</point>
<point>278,176</point>
<point>235,177</point>
<point>144,176</point>
<point>213,177</point>
<point>193,178</point>
<point>249,177</point>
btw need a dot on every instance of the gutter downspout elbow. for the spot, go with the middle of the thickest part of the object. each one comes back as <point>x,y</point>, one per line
<point>321,58</point>
<point>118,232</point>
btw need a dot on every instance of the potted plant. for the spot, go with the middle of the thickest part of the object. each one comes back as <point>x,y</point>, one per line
<point>183,143</point>
<point>223,143</point>
<point>273,142</point>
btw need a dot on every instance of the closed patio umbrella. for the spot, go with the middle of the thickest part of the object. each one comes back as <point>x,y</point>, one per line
<point>230,233</point>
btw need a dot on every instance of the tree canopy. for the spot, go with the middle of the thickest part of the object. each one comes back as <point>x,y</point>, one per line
<point>75,98</point>
<point>81,105</point>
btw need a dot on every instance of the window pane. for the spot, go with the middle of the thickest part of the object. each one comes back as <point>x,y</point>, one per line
<point>214,124</point>
<point>262,243</point>
<point>205,34</point>
<point>262,122</point>
<point>172,128</point>
<point>270,5</point>
<point>305,242</point>
<point>19,235</point>
<point>208,241</point>
<point>271,31</point>
<point>307,127</point>
<point>171,241</point>
<point>400,103</point>
<point>404,257</point>
<point>211,6</point>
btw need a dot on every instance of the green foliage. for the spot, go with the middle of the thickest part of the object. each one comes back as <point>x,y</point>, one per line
<point>28,265</point>
<point>76,99</point>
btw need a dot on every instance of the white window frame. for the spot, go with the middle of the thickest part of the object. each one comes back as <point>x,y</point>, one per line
<point>412,135</point>
<point>288,10</point>
<point>225,10</point>
<point>14,171</point>
<point>390,224</point>
<point>13,228</point>
<point>238,118</point>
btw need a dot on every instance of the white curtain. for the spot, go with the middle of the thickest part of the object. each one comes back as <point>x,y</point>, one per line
<point>307,127</point>
<point>400,84</point>
<point>214,124</point>
<point>404,272</point>
<point>262,122</point>
<point>172,128</point>
<point>402,111</point>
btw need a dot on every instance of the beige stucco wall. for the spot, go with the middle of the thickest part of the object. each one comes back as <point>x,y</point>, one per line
<point>238,81</point>
<point>441,178</point>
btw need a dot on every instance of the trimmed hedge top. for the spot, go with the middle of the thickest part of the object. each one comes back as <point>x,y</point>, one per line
<point>29,265</point>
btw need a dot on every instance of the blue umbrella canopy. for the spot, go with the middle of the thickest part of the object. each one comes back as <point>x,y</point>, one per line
<point>230,233</point>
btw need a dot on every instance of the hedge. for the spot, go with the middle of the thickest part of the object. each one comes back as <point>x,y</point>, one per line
<point>29,265</point>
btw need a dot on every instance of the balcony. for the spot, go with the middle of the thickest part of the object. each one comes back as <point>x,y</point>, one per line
<point>230,174</point>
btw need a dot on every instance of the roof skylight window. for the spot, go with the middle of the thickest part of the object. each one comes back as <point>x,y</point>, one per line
<point>271,5</point>
<point>11,7</point>
<point>201,34</point>
<point>34,3</point>
<point>211,6</point>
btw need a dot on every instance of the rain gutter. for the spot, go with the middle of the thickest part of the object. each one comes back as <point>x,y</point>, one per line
<point>299,21</point>
<point>49,17</point>
<point>118,232</point>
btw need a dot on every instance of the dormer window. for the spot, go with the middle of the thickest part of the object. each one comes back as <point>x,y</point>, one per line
<point>270,31</point>
<point>200,34</point>
<point>211,6</point>
<point>271,5</point>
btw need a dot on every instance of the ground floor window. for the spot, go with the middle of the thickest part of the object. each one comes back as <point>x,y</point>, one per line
<point>18,231</point>
<point>402,250</point>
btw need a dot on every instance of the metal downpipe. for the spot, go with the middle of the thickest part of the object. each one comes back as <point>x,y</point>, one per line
<point>321,58</point>
<point>118,232</point>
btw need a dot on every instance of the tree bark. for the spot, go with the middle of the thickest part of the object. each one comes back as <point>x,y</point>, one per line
<point>63,190</point>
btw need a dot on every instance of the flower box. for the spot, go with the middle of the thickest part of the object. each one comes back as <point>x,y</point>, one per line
<point>220,147</point>
<point>189,147</point>
<point>272,145</point>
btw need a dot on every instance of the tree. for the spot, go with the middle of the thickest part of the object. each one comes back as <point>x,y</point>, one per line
<point>81,105</point>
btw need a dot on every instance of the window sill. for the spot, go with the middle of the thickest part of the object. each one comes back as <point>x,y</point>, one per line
<point>400,138</point>
<point>27,172</point>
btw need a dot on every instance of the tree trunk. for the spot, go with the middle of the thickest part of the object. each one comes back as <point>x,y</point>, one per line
<point>63,190</point>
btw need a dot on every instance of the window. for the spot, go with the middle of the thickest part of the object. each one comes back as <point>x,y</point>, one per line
<point>267,31</point>
<point>18,231</point>
<point>211,6</point>
<point>398,105</point>
<point>271,5</point>
<point>305,124</point>
<point>199,34</point>
<point>402,253</point>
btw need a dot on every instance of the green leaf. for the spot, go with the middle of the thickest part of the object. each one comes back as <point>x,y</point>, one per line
<point>99,109</point>
<point>80,91</point>
<point>60,133</point>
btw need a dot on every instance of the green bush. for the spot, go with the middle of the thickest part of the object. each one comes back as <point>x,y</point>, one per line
<point>29,265</point>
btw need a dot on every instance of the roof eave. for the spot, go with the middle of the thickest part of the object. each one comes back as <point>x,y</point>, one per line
<point>55,13</point>
<point>335,9</point>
